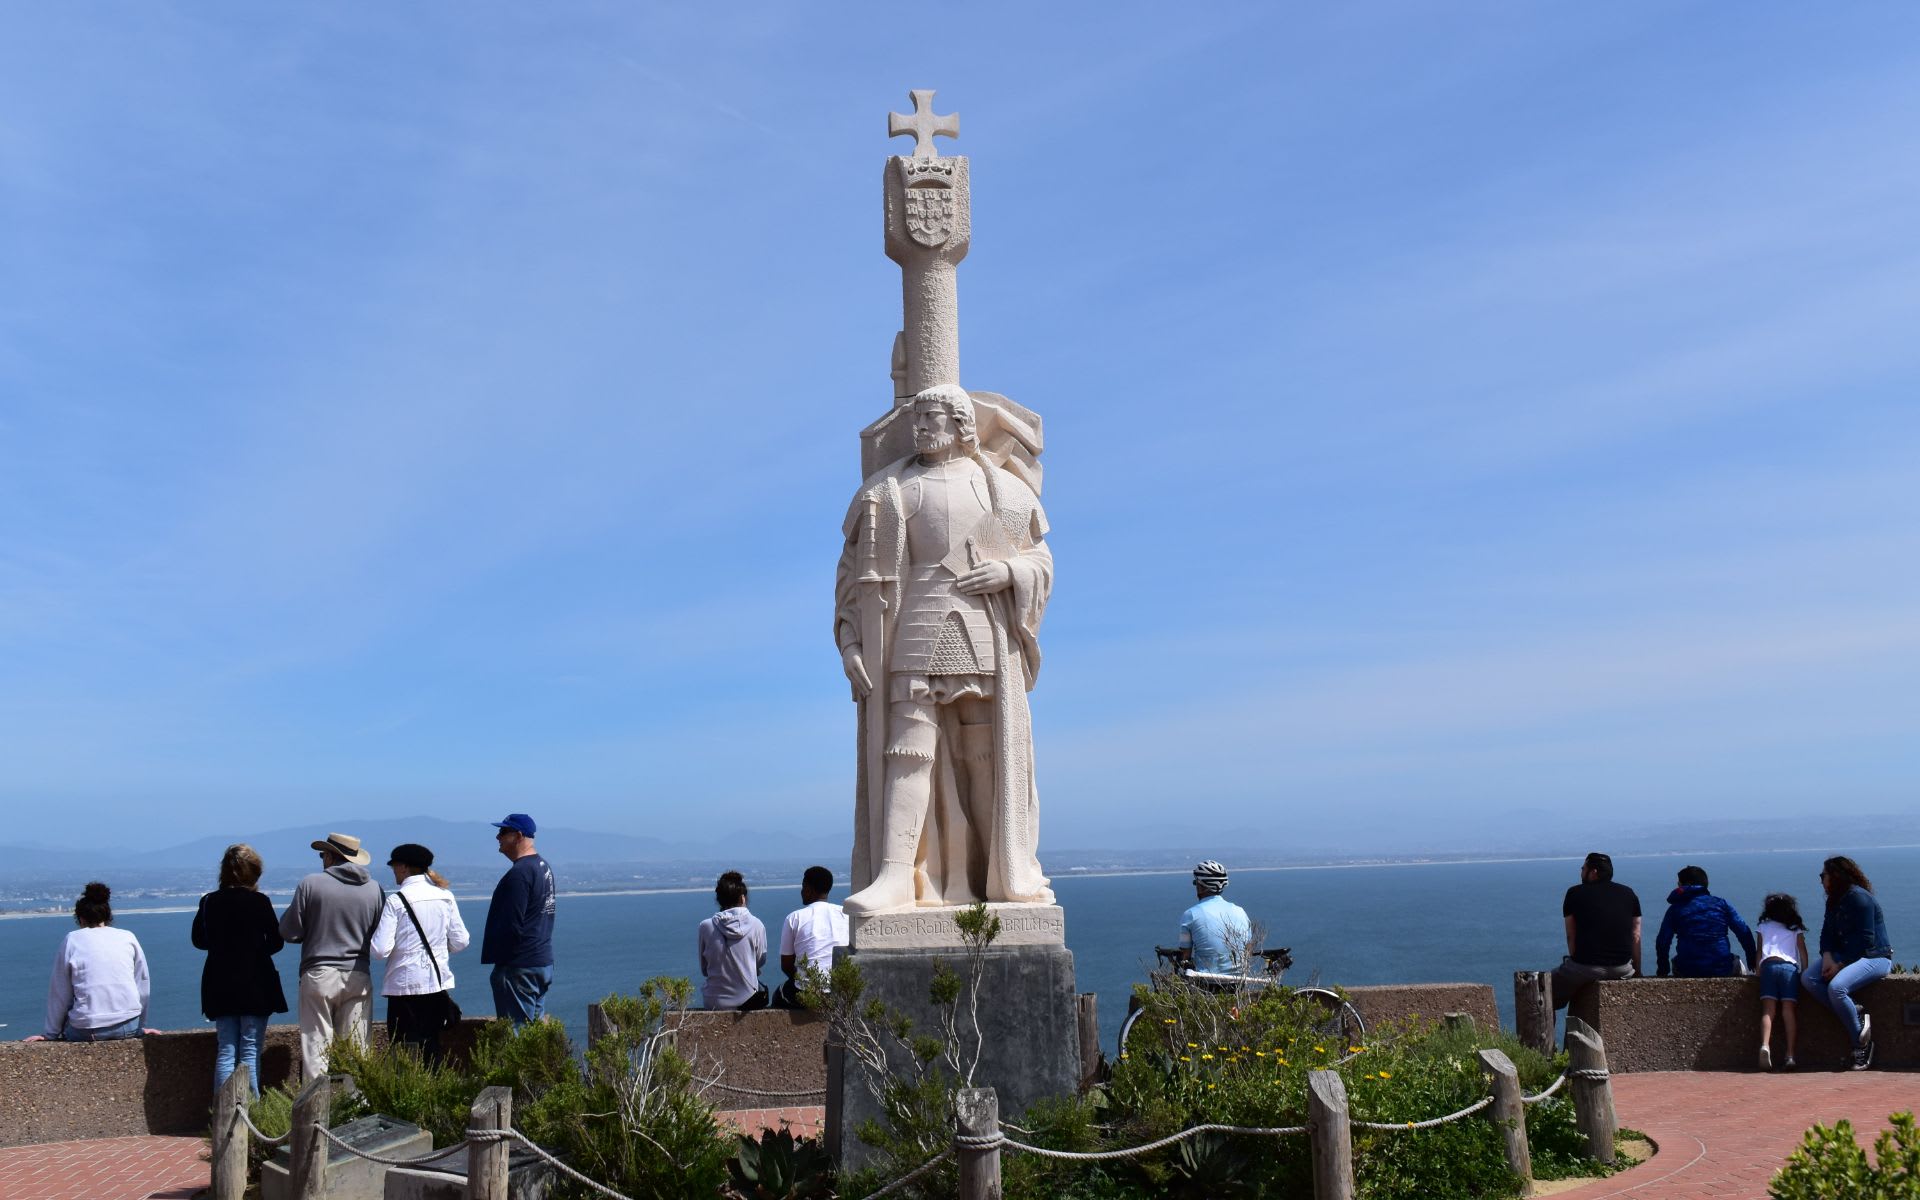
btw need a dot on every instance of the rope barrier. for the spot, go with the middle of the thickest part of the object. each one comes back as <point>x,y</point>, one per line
<point>1555,1086</point>
<point>246,1120</point>
<point>1405,1125</point>
<point>912,1175</point>
<point>747,1091</point>
<point>501,1135</point>
<point>988,1141</point>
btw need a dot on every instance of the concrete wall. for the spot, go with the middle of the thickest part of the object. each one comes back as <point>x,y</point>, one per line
<point>162,1083</point>
<point>59,1091</point>
<point>1714,1024</point>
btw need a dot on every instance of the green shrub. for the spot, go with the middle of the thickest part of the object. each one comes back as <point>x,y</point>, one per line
<point>1830,1163</point>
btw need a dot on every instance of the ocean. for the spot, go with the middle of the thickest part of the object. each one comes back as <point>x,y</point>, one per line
<point>1475,922</point>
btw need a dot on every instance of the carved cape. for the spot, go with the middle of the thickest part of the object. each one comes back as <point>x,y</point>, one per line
<point>875,547</point>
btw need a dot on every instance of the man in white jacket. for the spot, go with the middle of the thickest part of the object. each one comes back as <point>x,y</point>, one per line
<point>418,933</point>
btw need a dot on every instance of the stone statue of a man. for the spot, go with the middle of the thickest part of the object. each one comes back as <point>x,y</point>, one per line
<point>938,599</point>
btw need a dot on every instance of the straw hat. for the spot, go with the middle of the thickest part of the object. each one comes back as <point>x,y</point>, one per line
<point>346,847</point>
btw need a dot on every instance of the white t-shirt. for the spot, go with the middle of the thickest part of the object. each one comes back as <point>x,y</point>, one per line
<point>1777,941</point>
<point>811,933</point>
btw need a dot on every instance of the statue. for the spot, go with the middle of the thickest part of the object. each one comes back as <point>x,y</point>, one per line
<point>942,583</point>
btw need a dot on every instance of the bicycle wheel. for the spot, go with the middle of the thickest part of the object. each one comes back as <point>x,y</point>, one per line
<point>1340,1020</point>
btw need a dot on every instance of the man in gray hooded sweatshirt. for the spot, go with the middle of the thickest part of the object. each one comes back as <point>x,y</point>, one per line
<point>331,917</point>
<point>733,948</point>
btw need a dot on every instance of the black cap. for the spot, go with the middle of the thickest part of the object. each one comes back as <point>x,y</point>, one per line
<point>411,855</point>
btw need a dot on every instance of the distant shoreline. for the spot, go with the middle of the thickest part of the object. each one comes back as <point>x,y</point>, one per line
<point>1097,873</point>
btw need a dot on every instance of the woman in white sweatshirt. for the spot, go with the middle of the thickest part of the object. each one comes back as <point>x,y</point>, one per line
<point>419,980</point>
<point>99,988</point>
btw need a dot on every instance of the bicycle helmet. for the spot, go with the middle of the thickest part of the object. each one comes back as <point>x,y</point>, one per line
<point>1210,877</point>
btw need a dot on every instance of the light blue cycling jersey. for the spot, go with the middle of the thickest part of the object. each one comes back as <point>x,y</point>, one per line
<point>1217,931</point>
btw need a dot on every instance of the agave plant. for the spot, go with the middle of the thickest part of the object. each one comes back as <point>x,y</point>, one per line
<point>1210,1166</point>
<point>779,1166</point>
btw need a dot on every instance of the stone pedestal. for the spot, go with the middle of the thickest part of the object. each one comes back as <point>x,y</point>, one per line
<point>1028,1023</point>
<point>348,1177</point>
<point>935,928</point>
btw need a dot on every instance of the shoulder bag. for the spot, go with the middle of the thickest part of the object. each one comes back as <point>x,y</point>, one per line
<point>453,1006</point>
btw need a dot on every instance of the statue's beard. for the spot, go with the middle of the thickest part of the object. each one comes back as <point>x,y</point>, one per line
<point>938,443</point>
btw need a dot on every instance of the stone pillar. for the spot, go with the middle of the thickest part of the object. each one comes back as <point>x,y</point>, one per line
<point>929,227</point>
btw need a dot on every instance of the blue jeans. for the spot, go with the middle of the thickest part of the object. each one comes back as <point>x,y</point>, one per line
<point>129,1028</point>
<point>1837,993</point>
<point>1780,980</point>
<point>520,993</point>
<point>236,1043</point>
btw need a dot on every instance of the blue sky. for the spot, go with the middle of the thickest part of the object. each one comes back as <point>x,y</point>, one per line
<point>1451,410</point>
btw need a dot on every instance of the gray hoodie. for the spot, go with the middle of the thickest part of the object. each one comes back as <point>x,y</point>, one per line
<point>332,915</point>
<point>733,948</point>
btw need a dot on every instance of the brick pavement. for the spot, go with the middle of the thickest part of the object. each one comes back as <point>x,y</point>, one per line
<point>805,1122</point>
<point>1722,1135</point>
<point>122,1168</point>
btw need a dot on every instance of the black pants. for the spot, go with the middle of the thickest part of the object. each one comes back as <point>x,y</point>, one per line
<point>417,1021</point>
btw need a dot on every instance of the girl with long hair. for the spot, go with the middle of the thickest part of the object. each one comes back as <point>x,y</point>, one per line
<point>1783,955</point>
<point>1854,951</point>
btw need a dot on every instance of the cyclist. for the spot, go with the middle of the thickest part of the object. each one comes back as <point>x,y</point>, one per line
<point>1215,932</point>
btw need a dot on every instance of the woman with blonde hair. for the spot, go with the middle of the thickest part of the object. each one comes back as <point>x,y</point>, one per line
<point>239,986</point>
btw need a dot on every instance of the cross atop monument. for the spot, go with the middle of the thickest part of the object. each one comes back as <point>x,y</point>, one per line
<point>923,125</point>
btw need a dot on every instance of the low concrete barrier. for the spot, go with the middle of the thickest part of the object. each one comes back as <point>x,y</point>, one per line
<point>1714,1024</point>
<point>63,1091</point>
<point>161,1083</point>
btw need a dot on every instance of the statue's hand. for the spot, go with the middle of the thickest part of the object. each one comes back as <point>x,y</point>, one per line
<point>856,669</point>
<point>987,577</point>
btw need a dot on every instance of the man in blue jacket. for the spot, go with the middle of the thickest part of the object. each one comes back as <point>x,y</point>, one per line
<point>1701,921</point>
<point>519,937</point>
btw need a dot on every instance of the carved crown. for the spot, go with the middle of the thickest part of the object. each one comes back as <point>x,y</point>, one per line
<point>928,172</point>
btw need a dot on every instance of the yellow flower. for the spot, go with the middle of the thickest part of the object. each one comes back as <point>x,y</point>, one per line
<point>1223,1047</point>
<point>1211,1086</point>
<point>1167,1021</point>
<point>1384,1075</point>
<point>1281,1061</point>
<point>1184,1058</point>
<point>1193,1045</point>
<point>1206,1058</point>
<point>1355,1049</point>
<point>1319,1049</point>
<point>1259,1053</point>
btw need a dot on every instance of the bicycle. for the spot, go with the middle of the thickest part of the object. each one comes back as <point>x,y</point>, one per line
<point>1341,1022</point>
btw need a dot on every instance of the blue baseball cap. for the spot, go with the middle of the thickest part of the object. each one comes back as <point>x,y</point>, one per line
<point>520,823</point>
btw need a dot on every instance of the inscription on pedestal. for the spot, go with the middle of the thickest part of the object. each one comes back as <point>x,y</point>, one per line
<point>1020,925</point>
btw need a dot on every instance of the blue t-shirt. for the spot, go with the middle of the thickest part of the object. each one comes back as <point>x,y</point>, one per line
<point>520,919</point>
<point>1217,931</point>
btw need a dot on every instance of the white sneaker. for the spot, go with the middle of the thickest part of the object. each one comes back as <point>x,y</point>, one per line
<point>1866,1030</point>
<point>1766,1058</point>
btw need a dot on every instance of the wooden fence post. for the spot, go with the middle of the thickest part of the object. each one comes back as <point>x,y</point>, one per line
<point>1087,1009</point>
<point>1592,1088</point>
<point>599,1025</point>
<point>230,1137</point>
<point>979,1113</point>
<point>1509,1115</point>
<point>487,1161</point>
<point>1533,1010</point>
<point>1331,1132</point>
<point>307,1162</point>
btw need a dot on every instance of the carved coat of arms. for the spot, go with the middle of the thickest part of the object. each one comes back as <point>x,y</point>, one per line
<point>929,214</point>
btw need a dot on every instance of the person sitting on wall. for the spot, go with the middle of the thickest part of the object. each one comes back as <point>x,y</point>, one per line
<point>1854,951</point>
<point>99,988</point>
<point>1701,921</point>
<point>1216,933</point>
<point>1603,930</point>
<point>733,948</point>
<point>809,934</point>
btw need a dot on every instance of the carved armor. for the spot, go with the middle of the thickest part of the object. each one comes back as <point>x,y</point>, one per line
<point>942,630</point>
